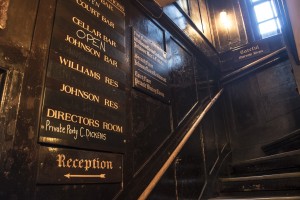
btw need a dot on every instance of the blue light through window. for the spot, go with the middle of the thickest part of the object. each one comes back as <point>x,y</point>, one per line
<point>266,17</point>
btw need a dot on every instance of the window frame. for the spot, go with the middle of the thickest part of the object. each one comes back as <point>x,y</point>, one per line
<point>185,10</point>
<point>255,24</point>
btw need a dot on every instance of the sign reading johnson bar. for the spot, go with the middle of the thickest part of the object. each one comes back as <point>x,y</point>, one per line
<point>84,94</point>
<point>92,28</point>
<point>60,166</point>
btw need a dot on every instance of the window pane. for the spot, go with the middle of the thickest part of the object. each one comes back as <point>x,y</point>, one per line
<point>274,9</point>
<point>184,5</point>
<point>278,24</point>
<point>263,11</point>
<point>268,28</point>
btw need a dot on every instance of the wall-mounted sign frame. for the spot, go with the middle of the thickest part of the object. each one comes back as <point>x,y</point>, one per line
<point>252,50</point>
<point>150,73</point>
<point>84,96</point>
<point>68,166</point>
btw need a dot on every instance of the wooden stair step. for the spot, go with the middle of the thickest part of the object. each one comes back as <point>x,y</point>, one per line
<point>288,162</point>
<point>286,143</point>
<point>257,198</point>
<point>274,182</point>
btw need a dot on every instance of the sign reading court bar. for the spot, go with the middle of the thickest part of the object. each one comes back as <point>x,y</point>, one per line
<point>61,166</point>
<point>150,69</point>
<point>84,92</point>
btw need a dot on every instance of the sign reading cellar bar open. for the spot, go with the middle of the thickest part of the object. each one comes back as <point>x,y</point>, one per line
<point>85,87</point>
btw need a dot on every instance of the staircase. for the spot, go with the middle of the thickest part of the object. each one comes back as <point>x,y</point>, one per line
<point>273,177</point>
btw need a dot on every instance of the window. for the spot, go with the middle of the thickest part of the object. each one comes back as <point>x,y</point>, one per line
<point>184,5</point>
<point>266,17</point>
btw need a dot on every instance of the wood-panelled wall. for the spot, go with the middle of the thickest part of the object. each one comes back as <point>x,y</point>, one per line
<point>234,36</point>
<point>153,127</point>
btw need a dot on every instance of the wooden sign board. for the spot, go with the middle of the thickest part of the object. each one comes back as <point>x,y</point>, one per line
<point>84,96</point>
<point>150,68</point>
<point>61,166</point>
<point>250,51</point>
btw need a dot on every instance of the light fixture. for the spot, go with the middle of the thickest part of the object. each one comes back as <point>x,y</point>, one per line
<point>225,21</point>
<point>3,13</point>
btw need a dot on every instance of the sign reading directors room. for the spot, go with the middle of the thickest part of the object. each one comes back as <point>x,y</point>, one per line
<point>84,97</point>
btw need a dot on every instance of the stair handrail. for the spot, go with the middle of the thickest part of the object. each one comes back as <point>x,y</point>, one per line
<point>251,65</point>
<point>178,148</point>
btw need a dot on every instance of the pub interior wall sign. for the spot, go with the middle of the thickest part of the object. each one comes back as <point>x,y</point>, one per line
<point>3,13</point>
<point>150,67</point>
<point>73,166</point>
<point>84,98</point>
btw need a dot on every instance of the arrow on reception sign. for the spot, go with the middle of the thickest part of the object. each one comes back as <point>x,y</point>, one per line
<point>84,176</point>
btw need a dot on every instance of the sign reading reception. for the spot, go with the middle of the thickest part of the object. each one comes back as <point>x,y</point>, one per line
<point>65,166</point>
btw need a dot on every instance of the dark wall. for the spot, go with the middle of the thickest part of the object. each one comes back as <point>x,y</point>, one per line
<point>255,109</point>
<point>264,107</point>
<point>198,31</point>
<point>235,35</point>
<point>15,50</point>
<point>199,14</point>
<point>263,100</point>
<point>235,59</point>
<point>152,125</point>
<point>193,170</point>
